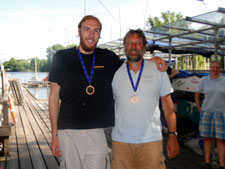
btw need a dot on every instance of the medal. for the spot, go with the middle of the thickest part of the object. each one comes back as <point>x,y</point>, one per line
<point>90,90</point>
<point>134,99</point>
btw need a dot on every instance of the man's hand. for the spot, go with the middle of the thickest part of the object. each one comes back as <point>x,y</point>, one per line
<point>172,146</point>
<point>55,146</point>
<point>160,63</point>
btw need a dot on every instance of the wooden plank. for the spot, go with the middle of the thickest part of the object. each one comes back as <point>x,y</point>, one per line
<point>24,153</point>
<point>40,133</point>
<point>13,159</point>
<point>36,157</point>
<point>27,130</point>
<point>23,150</point>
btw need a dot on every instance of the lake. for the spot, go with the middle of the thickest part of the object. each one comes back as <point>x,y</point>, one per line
<point>39,93</point>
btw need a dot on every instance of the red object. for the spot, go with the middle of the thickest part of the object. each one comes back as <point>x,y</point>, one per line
<point>12,110</point>
<point>45,79</point>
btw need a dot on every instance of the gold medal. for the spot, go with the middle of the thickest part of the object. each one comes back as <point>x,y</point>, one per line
<point>134,99</point>
<point>90,90</point>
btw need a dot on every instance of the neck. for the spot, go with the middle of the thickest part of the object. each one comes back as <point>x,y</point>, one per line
<point>84,51</point>
<point>215,76</point>
<point>134,66</point>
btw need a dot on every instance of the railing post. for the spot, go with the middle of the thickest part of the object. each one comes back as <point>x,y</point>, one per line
<point>3,80</point>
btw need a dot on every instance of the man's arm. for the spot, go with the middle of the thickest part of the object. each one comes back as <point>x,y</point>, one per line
<point>53,113</point>
<point>197,101</point>
<point>172,144</point>
<point>160,63</point>
<point>174,72</point>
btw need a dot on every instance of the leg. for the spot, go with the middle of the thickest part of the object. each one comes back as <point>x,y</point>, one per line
<point>207,130</point>
<point>150,155</point>
<point>70,158</point>
<point>207,149</point>
<point>220,136</point>
<point>96,156</point>
<point>123,156</point>
<point>220,151</point>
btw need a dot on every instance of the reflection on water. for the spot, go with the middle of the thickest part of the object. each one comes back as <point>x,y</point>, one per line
<point>39,92</point>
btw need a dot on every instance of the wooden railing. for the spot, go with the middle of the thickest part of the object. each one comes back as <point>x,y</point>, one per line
<point>5,128</point>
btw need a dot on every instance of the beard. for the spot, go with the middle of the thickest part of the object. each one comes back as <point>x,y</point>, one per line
<point>87,48</point>
<point>134,58</point>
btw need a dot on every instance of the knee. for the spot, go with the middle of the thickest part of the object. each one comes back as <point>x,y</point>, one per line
<point>208,139</point>
<point>220,141</point>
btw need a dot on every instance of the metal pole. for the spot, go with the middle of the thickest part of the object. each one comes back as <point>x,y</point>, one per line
<point>215,43</point>
<point>170,50</point>
<point>35,68</point>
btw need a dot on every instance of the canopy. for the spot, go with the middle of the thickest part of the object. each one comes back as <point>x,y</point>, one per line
<point>203,34</point>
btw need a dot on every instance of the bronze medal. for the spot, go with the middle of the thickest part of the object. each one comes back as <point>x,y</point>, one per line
<point>90,90</point>
<point>134,99</point>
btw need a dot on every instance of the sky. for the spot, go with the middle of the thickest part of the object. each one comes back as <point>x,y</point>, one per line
<point>29,27</point>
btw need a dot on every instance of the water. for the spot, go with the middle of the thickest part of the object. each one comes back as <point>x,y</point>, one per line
<point>39,93</point>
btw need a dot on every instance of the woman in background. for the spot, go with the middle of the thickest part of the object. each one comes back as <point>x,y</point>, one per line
<point>212,118</point>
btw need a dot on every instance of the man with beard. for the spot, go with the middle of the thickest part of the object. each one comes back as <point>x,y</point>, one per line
<point>137,86</point>
<point>81,79</point>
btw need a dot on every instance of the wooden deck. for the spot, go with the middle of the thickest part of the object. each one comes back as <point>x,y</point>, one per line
<point>31,138</point>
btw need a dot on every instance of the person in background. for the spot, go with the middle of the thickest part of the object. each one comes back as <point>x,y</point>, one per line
<point>172,72</point>
<point>137,87</point>
<point>81,78</point>
<point>212,117</point>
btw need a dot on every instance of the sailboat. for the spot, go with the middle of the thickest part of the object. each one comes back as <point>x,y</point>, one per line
<point>35,82</point>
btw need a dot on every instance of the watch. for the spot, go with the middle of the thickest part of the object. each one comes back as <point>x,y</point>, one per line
<point>174,133</point>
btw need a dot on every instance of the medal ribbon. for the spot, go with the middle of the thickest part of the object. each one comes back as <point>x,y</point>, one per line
<point>89,78</point>
<point>139,76</point>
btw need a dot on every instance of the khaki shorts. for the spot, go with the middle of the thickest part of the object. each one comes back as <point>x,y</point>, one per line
<point>83,149</point>
<point>138,156</point>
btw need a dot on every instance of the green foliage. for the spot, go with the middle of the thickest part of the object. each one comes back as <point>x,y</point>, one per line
<point>198,62</point>
<point>220,59</point>
<point>70,46</point>
<point>165,18</point>
<point>50,53</point>
<point>41,65</point>
<point>14,65</point>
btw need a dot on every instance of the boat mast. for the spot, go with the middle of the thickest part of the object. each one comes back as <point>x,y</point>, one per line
<point>36,77</point>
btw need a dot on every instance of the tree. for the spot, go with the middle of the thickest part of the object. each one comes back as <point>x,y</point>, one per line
<point>165,18</point>
<point>50,53</point>
<point>14,65</point>
<point>70,46</point>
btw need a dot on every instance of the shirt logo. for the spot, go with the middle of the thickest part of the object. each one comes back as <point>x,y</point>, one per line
<point>99,67</point>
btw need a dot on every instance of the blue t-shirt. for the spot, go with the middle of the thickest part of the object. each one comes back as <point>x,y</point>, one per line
<point>214,91</point>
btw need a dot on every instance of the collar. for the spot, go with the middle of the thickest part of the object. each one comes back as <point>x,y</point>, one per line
<point>215,79</point>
